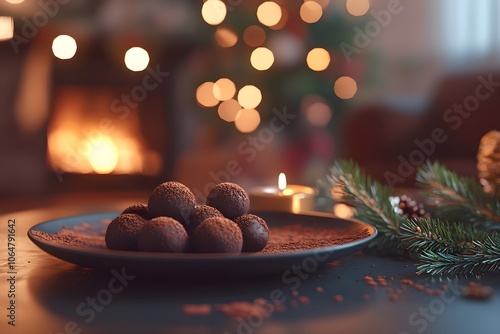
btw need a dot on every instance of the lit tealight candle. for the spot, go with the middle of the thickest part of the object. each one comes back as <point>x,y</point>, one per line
<point>283,198</point>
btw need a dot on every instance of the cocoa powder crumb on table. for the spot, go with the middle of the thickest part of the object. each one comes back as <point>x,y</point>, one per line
<point>304,299</point>
<point>242,309</point>
<point>196,309</point>
<point>338,298</point>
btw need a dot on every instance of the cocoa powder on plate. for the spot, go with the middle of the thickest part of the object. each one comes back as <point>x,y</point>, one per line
<point>282,239</point>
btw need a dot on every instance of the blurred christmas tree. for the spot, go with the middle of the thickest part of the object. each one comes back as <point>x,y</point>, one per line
<point>294,53</point>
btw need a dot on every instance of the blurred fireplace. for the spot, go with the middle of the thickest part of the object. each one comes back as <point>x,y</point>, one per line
<point>109,128</point>
<point>93,132</point>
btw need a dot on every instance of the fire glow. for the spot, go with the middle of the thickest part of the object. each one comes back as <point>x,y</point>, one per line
<point>90,143</point>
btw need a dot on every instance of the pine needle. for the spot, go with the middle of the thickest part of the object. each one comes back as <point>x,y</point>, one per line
<point>457,196</point>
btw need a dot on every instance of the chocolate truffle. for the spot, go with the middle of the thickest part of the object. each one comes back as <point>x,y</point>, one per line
<point>121,233</point>
<point>138,209</point>
<point>217,235</point>
<point>162,234</point>
<point>199,214</point>
<point>172,199</point>
<point>255,232</point>
<point>230,199</point>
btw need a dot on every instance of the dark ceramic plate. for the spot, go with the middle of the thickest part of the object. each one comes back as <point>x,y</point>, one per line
<point>187,264</point>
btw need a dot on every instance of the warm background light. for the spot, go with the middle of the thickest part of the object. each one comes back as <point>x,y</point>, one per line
<point>345,87</point>
<point>136,59</point>
<point>282,181</point>
<point>249,97</point>
<point>283,20</point>
<point>213,12</point>
<point>262,59</point>
<point>254,36</point>
<point>228,110</point>
<point>224,89</point>
<point>269,13</point>
<point>6,28</point>
<point>247,120</point>
<point>64,47</point>
<point>104,156</point>
<point>343,211</point>
<point>357,7</point>
<point>226,37</point>
<point>311,11</point>
<point>323,3</point>
<point>15,2</point>
<point>319,114</point>
<point>205,95</point>
<point>318,59</point>
<point>316,110</point>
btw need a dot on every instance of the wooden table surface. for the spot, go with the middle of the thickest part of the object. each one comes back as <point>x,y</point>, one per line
<point>49,293</point>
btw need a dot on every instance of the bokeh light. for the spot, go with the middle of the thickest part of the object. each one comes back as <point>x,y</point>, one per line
<point>319,114</point>
<point>205,95</point>
<point>318,59</point>
<point>136,59</point>
<point>311,11</point>
<point>357,7</point>
<point>6,28</point>
<point>283,20</point>
<point>228,110</point>
<point>226,37</point>
<point>269,13</point>
<point>345,87</point>
<point>343,211</point>
<point>262,58</point>
<point>247,120</point>
<point>14,2</point>
<point>249,97</point>
<point>254,36</point>
<point>224,89</point>
<point>64,47</point>
<point>214,12</point>
<point>316,110</point>
<point>323,3</point>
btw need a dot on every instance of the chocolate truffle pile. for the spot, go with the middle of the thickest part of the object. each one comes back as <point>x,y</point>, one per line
<point>172,222</point>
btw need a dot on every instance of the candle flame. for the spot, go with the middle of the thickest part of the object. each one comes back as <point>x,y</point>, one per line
<point>282,181</point>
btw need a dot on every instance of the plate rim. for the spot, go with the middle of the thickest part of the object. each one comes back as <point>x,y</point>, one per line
<point>136,255</point>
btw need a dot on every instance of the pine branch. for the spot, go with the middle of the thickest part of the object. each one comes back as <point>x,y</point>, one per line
<point>369,197</point>
<point>457,196</point>
<point>436,235</point>
<point>451,248</point>
<point>486,258</point>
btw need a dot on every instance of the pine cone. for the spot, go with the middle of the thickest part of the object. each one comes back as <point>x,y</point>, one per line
<point>488,162</point>
<point>409,208</point>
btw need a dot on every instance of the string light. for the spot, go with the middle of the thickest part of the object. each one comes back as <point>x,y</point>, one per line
<point>214,12</point>
<point>249,97</point>
<point>357,7</point>
<point>345,87</point>
<point>262,58</point>
<point>136,59</point>
<point>64,47</point>
<point>318,59</point>
<point>269,13</point>
<point>6,28</point>
<point>247,120</point>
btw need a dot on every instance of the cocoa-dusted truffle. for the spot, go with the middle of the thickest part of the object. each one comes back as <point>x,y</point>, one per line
<point>138,209</point>
<point>162,234</point>
<point>255,232</point>
<point>172,199</point>
<point>217,235</point>
<point>121,233</point>
<point>230,199</point>
<point>199,214</point>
